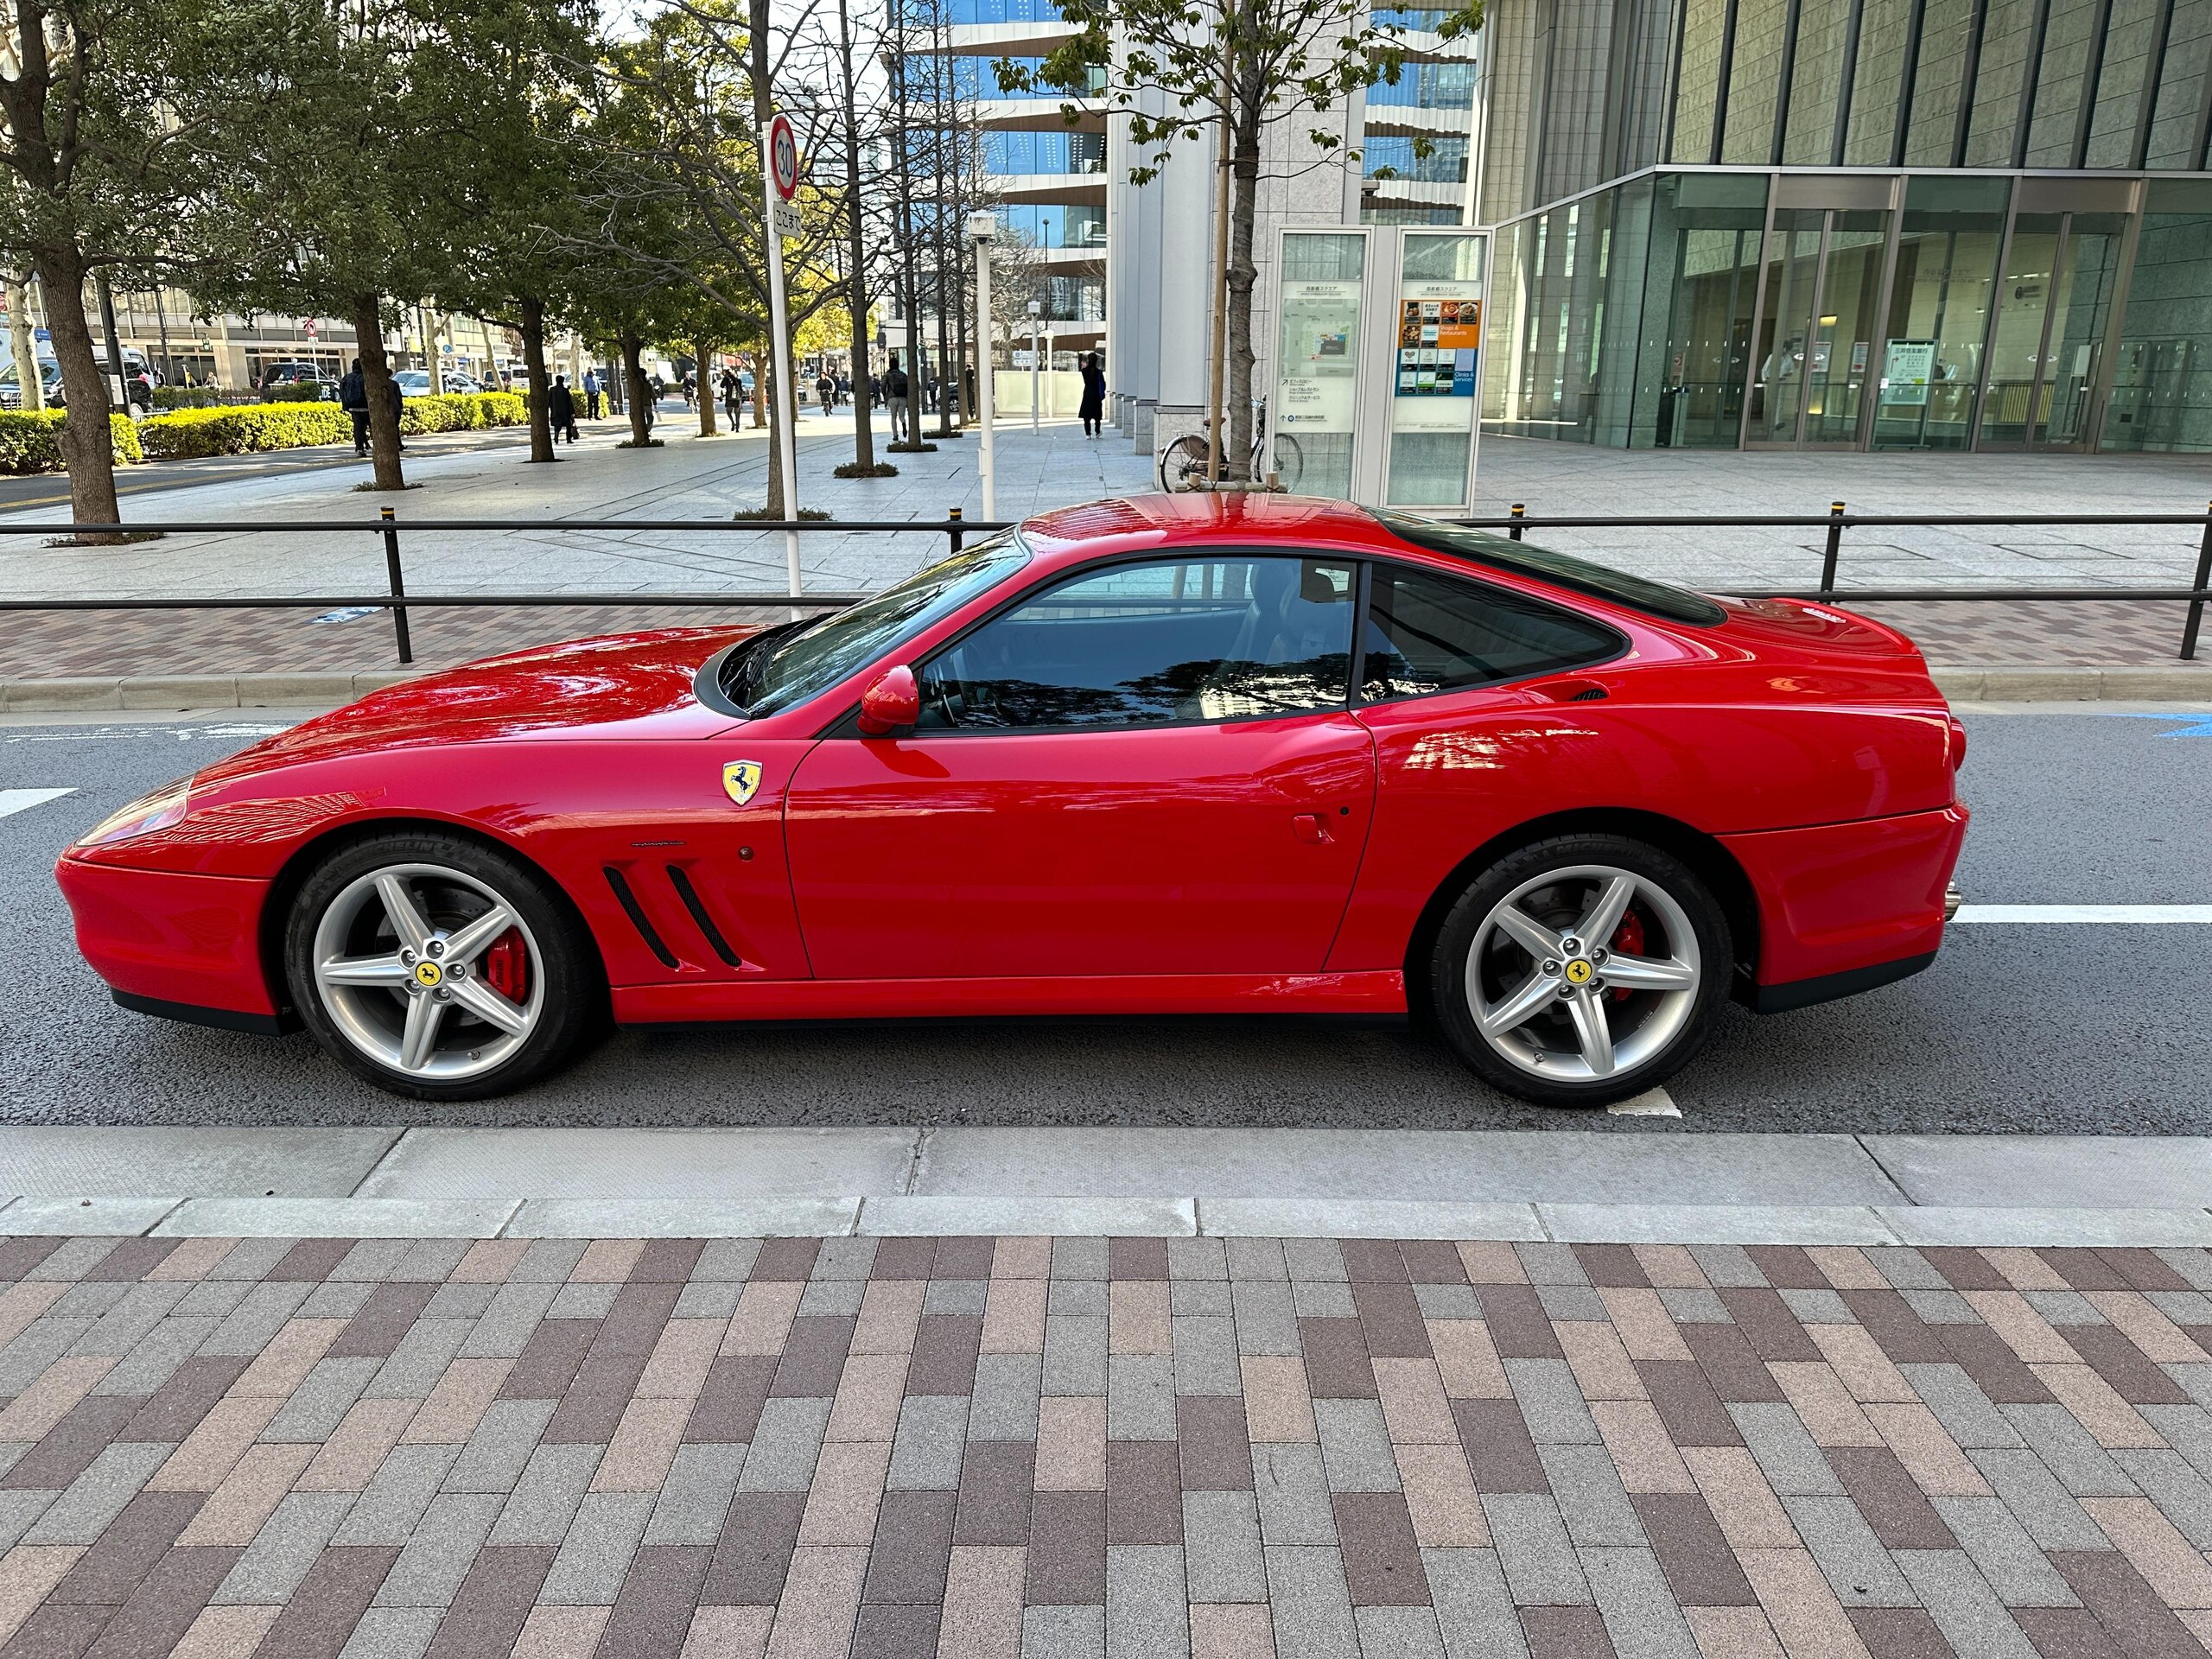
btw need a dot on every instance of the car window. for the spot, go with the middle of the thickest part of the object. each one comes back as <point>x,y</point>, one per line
<point>1154,643</point>
<point>793,666</point>
<point>1428,633</point>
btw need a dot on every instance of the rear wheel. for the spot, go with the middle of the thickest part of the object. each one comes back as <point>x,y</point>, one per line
<point>1581,970</point>
<point>1183,464</point>
<point>441,969</point>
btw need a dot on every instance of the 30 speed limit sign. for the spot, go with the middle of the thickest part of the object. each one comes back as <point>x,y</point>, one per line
<point>783,172</point>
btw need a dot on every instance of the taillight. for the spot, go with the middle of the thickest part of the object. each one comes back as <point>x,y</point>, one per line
<point>1958,743</point>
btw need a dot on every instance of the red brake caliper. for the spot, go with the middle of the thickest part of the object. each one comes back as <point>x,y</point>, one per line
<point>1627,941</point>
<point>507,965</point>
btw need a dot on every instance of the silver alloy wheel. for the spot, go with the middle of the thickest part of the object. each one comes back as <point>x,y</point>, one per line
<point>398,959</point>
<point>1542,973</point>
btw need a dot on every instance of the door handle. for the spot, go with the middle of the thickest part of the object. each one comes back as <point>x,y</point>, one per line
<point>1308,827</point>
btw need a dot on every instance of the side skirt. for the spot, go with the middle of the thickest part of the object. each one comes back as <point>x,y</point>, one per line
<point>191,1014</point>
<point>1378,991</point>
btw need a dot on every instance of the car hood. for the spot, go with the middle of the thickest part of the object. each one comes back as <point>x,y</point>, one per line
<point>635,685</point>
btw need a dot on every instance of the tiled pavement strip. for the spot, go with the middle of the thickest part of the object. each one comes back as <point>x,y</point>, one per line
<point>1135,1446</point>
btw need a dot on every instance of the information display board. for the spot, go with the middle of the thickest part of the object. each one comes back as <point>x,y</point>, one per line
<point>1438,375</point>
<point>1320,361</point>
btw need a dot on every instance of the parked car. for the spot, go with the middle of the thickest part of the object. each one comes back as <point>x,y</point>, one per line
<point>11,387</point>
<point>1189,755</point>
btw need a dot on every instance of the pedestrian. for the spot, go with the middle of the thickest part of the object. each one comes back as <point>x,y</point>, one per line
<point>560,407</point>
<point>733,395</point>
<point>826,390</point>
<point>353,398</point>
<point>398,407</point>
<point>1094,396</point>
<point>591,393</point>
<point>875,391</point>
<point>895,395</point>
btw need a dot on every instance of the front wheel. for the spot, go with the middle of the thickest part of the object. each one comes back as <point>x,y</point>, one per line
<point>1290,463</point>
<point>441,969</point>
<point>1581,970</point>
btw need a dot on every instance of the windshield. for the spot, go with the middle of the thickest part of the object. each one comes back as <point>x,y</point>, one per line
<point>791,667</point>
<point>1562,569</point>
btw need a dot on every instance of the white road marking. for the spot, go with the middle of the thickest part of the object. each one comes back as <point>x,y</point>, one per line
<point>13,801</point>
<point>1652,1103</point>
<point>2124,914</point>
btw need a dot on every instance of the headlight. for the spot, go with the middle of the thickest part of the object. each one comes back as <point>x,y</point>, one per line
<point>159,811</point>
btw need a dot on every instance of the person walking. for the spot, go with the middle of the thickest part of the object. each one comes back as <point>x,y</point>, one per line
<point>895,394</point>
<point>397,399</point>
<point>353,398</point>
<point>591,394</point>
<point>1093,410</point>
<point>733,395</point>
<point>560,409</point>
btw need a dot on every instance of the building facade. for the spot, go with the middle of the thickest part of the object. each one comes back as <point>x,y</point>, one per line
<point>1852,224</point>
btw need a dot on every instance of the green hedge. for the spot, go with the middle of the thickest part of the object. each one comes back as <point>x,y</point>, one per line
<point>30,440</point>
<point>238,432</point>
<point>299,391</point>
<point>185,433</point>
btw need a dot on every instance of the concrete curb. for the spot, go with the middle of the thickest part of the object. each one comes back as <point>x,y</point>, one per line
<point>993,1216</point>
<point>177,692</point>
<point>157,693</point>
<point>2176,682</point>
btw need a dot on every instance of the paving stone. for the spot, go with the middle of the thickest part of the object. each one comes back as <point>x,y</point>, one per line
<point>785,1445</point>
<point>1071,1632</point>
<point>1309,1603</point>
<point>440,1550</point>
<point>500,1446</point>
<point>1474,1609</point>
<point>1551,1402</point>
<point>2001,1550</point>
<point>595,1555</point>
<point>393,1501</point>
<point>95,1496</point>
<point>1587,1488</point>
<point>1966,1610</point>
<point>694,1497</point>
<point>1222,1547</point>
<point>2035,1497</point>
<point>1632,1596</point>
<point>285,1550</point>
<point>1356,1452</point>
<point>1857,1568</point>
<point>1293,1493</point>
<point>1533,1547</point>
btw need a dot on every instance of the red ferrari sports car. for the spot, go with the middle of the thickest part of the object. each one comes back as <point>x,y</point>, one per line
<point>1183,754</point>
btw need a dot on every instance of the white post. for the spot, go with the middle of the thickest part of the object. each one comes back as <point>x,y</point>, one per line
<point>982,226</point>
<point>1033,365</point>
<point>785,395</point>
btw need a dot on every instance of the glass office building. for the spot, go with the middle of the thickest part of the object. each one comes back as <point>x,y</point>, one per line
<point>1858,224</point>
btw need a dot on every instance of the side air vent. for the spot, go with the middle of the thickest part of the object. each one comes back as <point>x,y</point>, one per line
<point>1595,694</point>
<point>690,895</point>
<point>630,908</point>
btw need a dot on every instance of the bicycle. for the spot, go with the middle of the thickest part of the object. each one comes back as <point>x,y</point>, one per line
<point>1183,463</point>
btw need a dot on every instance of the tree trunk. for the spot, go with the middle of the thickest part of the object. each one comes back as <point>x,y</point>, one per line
<point>611,351</point>
<point>383,393</point>
<point>30,380</point>
<point>777,388</point>
<point>533,357</point>
<point>702,350</point>
<point>640,395</point>
<point>87,445</point>
<point>1244,163</point>
<point>856,238</point>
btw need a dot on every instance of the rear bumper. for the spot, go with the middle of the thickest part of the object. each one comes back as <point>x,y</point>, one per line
<point>170,943</point>
<point>1844,908</point>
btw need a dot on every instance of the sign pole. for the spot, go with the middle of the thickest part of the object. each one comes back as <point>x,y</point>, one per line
<point>981,227</point>
<point>780,180</point>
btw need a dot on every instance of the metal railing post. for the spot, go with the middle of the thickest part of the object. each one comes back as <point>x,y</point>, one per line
<point>1519,510</point>
<point>2196,623</point>
<point>1834,547</point>
<point>952,527</point>
<point>398,585</point>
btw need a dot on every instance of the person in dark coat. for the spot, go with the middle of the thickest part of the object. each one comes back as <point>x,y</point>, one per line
<point>353,398</point>
<point>560,409</point>
<point>398,401</point>
<point>1094,396</point>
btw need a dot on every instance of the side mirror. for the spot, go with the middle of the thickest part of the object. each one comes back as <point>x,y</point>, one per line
<point>893,702</point>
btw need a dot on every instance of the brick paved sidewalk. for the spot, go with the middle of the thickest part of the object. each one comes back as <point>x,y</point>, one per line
<point>1138,1447</point>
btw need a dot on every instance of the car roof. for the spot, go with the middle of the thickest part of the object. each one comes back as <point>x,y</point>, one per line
<point>1139,523</point>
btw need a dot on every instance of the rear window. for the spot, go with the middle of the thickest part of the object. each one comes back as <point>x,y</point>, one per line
<point>1561,569</point>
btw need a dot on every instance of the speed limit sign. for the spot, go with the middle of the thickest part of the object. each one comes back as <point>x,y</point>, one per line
<point>783,157</point>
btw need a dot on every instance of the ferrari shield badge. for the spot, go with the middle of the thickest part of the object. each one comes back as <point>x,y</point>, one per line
<point>741,778</point>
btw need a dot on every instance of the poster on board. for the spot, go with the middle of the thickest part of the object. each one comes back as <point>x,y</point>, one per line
<point>1906,369</point>
<point>1320,356</point>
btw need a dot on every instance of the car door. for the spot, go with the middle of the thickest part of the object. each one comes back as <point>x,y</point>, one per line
<point>1146,767</point>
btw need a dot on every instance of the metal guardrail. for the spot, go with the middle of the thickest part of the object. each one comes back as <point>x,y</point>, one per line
<point>954,527</point>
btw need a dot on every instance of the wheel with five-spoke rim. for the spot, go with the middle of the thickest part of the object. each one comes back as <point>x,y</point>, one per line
<point>439,967</point>
<point>1581,970</point>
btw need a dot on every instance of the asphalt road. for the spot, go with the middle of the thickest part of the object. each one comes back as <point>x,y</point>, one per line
<point>2046,1028</point>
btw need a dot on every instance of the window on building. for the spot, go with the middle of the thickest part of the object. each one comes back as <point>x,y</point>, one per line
<point>1386,156</point>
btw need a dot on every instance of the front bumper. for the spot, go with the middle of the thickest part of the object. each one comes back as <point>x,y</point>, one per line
<point>1844,908</point>
<point>181,942</point>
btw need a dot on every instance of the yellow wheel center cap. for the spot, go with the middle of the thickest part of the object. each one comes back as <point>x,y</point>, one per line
<point>1578,972</point>
<point>427,974</point>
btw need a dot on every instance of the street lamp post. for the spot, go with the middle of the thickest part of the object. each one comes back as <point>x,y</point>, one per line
<point>981,227</point>
<point>1034,309</point>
